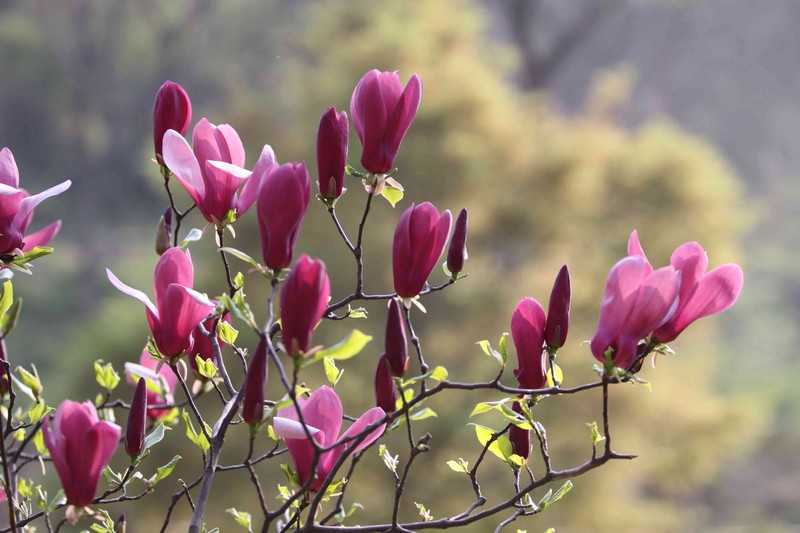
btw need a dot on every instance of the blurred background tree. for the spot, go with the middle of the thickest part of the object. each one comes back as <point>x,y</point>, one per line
<point>554,151</point>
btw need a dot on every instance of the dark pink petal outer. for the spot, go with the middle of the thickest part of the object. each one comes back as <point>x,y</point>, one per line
<point>403,115</point>
<point>282,205</point>
<point>41,237</point>
<point>174,266</point>
<point>248,194</point>
<point>181,311</point>
<point>527,331</point>
<point>419,240</point>
<point>9,173</point>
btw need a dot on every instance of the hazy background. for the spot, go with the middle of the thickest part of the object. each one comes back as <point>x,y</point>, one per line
<point>560,125</point>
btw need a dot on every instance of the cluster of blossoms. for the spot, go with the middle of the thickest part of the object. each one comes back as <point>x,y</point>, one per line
<point>642,307</point>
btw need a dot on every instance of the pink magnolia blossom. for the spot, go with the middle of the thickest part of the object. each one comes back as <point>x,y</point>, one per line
<point>16,209</point>
<point>419,239</point>
<point>322,414</point>
<point>637,300</point>
<point>702,293</point>
<point>527,331</point>
<point>304,297</point>
<point>178,308</point>
<point>382,111</point>
<point>81,446</point>
<point>211,170</point>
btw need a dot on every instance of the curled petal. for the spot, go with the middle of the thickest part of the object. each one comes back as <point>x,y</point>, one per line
<point>130,291</point>
<point>41,237</point>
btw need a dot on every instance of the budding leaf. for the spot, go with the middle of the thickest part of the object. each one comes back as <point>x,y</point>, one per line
<point>242,518</point>
<point>240,255</point>
<point>105,375</point>
<point>552,497</point>
<point>31,380</point>
<point>461,466</point>
<point>164,471</point>
<point>226,332</point>
<point>486,346</point>
<point>390,461</point>
<point>595,432</point>
<point>424,512</point>
<point>206,367</point>
<point>345,349</point>
<point>439,373</point>
<point>8,297</point>
<point>9,319</point>
<point>392,195</point>
<point>422,414</point>
<point>195,234</point>
<point>500,447</point>
<point>154,437</point>
<point>198,439</point>
<point>559,376</point>
<point>332,372</point>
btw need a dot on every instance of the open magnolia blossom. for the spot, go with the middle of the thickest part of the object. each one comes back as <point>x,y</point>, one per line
<point>16,209</point>
<point>178,308</point>
<point>322,414</point>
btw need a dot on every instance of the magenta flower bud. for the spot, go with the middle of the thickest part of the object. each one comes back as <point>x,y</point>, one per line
<point>322,414</point>
<point>178,308</point>
<point>637,300</point>
<point>419,239</point>
<point>164,381</point>
<point>396,343</point>
<point>555,331</point>
<point>332,139</point>
<point>702,293</point>
<point>164,232</point>
<point>520,438</point>
<point>255,381</point>
<point>382,111</point>
<point>137,420</point>
<point>385,394</point>
<point>17,208</point>
<point>282,204</point>
<point>527,331</point>
<point>172,110</point>
<point>457,253</point>
<point>304,297</point>
<point>81,446</point>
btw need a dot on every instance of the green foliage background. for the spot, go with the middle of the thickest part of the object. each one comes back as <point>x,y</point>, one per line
<point>542,189</point>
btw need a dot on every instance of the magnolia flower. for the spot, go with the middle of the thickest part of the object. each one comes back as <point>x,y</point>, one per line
<point>457,252</point>
<point>322,414</point>
<point>81,446</point>
<point>555,331</point>
<point>702,293</point>
<point>332,138</point>
<point>637,300</point>
<point>16,209</point>
<point>419,239</point>
<point>382,111</point>
<point>178,308</point>
<point>304,297</point>
<point>172,110</point>
<point>137,420</point>
<point>212,172</point>
<point>527,331</point>
<point>282,204</point>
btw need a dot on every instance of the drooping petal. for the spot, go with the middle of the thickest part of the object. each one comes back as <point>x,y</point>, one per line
<point>41,237</point>
<point>248,194</point>
<point>28,204</point>
<point>130,291</point>
<point>181,160</point>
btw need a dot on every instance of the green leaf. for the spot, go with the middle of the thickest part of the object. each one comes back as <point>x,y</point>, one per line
<point>205,367</point>
<point>195,234</point>
<point>238,280</point>
<point>31,380</point>
<point>38,443</point>
<point>198,439</point>
<point>461,466</point>
<point>332,372</point>
<point>37,411</point>
<point>392,195</point>
<point>154,437</point>
<point>8,297</point>
<point>552,497</point>
<point>559,376</point>
<point>486,346</point>
<point>345,349</point>
<point>594,430</point>
<point>242,518</point>
<point>422,414</point>
<point>240,255</point>
<point>105,375</point>
<point>9,319</point>
<point>439,373</point>
<point>164,471</point>
<point>500,447</point>
<point>35,253</point>
<point>226,332</point>
<point>502,346</point>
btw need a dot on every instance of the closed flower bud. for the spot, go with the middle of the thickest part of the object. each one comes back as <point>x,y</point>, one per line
<point>332,138</point>
<point>419,239</point>
<point>81,445</point>
<point>137,420</point>
<point>304,297</point>
<point>385,394</point>
<point>396,343</point>
<point>457,253</point>
<point>4,377</point>
<point>164,232</point>
<point>555,332</point>
<point>520,438</point>
<point>527,330</point>
<point>172,110</point>
<point>282,204</point>
<point>253,403</point>
<point>382,111</point>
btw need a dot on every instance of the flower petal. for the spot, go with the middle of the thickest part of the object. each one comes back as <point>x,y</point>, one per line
<point>41,237</point>
<point>130,291</point>
<point>180,159</point>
